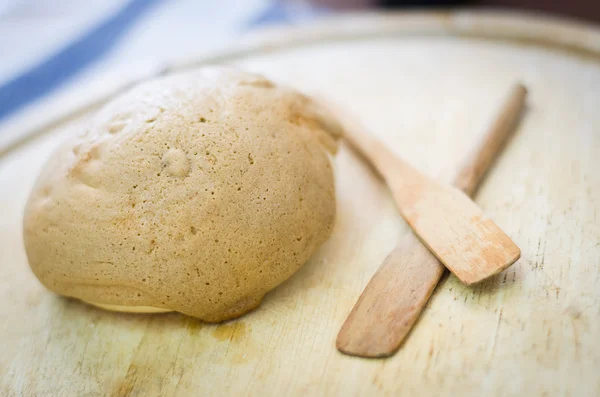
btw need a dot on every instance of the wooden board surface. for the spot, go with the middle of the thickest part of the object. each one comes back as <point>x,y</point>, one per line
<point>428,90</point>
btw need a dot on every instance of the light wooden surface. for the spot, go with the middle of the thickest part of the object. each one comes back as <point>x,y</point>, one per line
<point>428,89</point>
<point>391,303</point>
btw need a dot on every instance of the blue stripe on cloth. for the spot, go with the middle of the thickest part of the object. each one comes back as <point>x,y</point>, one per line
<point>60,67</point>
<point>279,12</point>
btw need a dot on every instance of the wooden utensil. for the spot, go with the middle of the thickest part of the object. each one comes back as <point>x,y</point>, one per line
<point>451,225</point>
<point>399,290</point>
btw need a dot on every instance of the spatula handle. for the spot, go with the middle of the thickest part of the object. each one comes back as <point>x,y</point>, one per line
<point>373,151</point>
<point>479,160</point>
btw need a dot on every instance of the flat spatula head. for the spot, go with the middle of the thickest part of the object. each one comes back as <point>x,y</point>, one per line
<point>468,243</point>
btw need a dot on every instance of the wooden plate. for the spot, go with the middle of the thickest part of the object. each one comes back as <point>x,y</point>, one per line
<point>427,84</point>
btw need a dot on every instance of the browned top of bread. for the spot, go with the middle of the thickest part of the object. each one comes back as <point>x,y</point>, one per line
<point>196,193</point>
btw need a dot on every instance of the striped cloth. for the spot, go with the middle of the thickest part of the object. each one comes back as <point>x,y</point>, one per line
<point>136,32</point>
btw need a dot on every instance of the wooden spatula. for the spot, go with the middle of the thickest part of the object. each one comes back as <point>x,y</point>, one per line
<point>399,290</point>
<point>470,245</point>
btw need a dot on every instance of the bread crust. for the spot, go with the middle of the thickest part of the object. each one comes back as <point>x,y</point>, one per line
<point>196,193</point>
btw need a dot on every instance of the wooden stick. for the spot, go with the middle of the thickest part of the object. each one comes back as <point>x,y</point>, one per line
<point>479,160</point>
<point>399,290</point>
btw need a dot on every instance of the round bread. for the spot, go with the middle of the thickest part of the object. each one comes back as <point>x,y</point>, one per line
<point>196,193</point>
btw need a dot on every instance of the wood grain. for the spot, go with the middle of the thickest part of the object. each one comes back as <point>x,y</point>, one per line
<point>531,331</point>
<point>394,298</point>
<point>454,229</point>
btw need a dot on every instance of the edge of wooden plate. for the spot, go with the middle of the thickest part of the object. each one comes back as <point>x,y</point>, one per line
<point>529,29</point>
